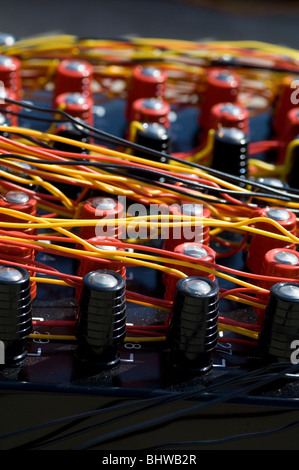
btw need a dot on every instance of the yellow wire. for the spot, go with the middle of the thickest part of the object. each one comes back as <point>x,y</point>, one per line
<point>156,260</point>
<point>48,186</point>
<point>207,150</point>
<point>110,152</point>
<point>146,339</point>
<point>146,304</point>
<point>155,49</point>
<point>239,330</point>
<point>141,261</point>
<point>88,177</point>
<point>244,225</point>
<point>129,339</point>
<point>49,281</point>
<point>243,301</point>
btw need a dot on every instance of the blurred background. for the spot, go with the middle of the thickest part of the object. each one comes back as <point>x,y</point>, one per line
<point>270,21</point>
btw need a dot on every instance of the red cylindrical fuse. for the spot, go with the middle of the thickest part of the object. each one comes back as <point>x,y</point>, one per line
<point>76,105</point>
<point>101,208</point>
<point>280,262</point>
<point>18,201</point>
<point>288,98</point>
<point>21,255</point>
<point>188,232</point>
<point>97,263</point>
<point>198,252</point>
<point>146,82</point>
<point>260,244</point>
<point>222,86</point>
<point>289,132</point>
<point>90,264</point>
<point>73,76</point>
<point>10,74</point>
<point>230,115</point>
<point>9,107</point>
<point>151,110</point>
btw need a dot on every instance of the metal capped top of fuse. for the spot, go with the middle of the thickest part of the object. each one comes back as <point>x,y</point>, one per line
<point>155,130</point>
<point>225,76</point>
<point>7,39</point>
<point>103,203</point>
<point>106,247</point>
<point>103,280</point>
<point>17,197</point>
<point>288,291</point>
<point>196,286</point>
<point>284,257</point>
<point>278,214</point>
<point>152,103</point>
<point>151,72</point>
<point>231,109</point>
<point>75,65</point>
<point>231,135</point>
<point>75,98</point>
<point>195,251</point>
<point>10,274</point>
<point>192,209</point>
<point>6,61</point>
<point>274,182</point>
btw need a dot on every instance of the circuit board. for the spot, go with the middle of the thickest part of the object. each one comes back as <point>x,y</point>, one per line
<point>108,149</point>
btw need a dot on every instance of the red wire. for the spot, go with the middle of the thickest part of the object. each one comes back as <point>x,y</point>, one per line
<point>15,261</point>
<point>262,146</point>
<point>44,199</point>
<point>155,250</point>
<point>236,250</point>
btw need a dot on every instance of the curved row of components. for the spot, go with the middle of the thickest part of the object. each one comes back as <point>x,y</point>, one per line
<point>192,333</point>
<point>220,106</point>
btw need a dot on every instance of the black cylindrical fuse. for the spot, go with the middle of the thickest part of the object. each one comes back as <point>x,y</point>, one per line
<point>230,153</point>
<point>71,132</point>
<point>275,183</point>
<point>281,322</point>
<point>193,329</point>
<point>153,136</point>
<point>101,324</point>
<point>15,313</point>
<point>271,182</point>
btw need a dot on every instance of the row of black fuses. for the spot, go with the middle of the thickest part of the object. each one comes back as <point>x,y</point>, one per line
<point>101,320</point>
<point>101,324</point>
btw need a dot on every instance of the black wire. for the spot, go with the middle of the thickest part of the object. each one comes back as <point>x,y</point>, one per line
<point>134,176</point>
<point>150,151</point>
<point>131,170</point>
<point>172,399</point>
<point>28,117</point>
<point>157,154</point>
<point>166,419</point>
<point>86,414</point>
<point>222,440</point>
<point>247,376</point>
<point>35,141</point>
